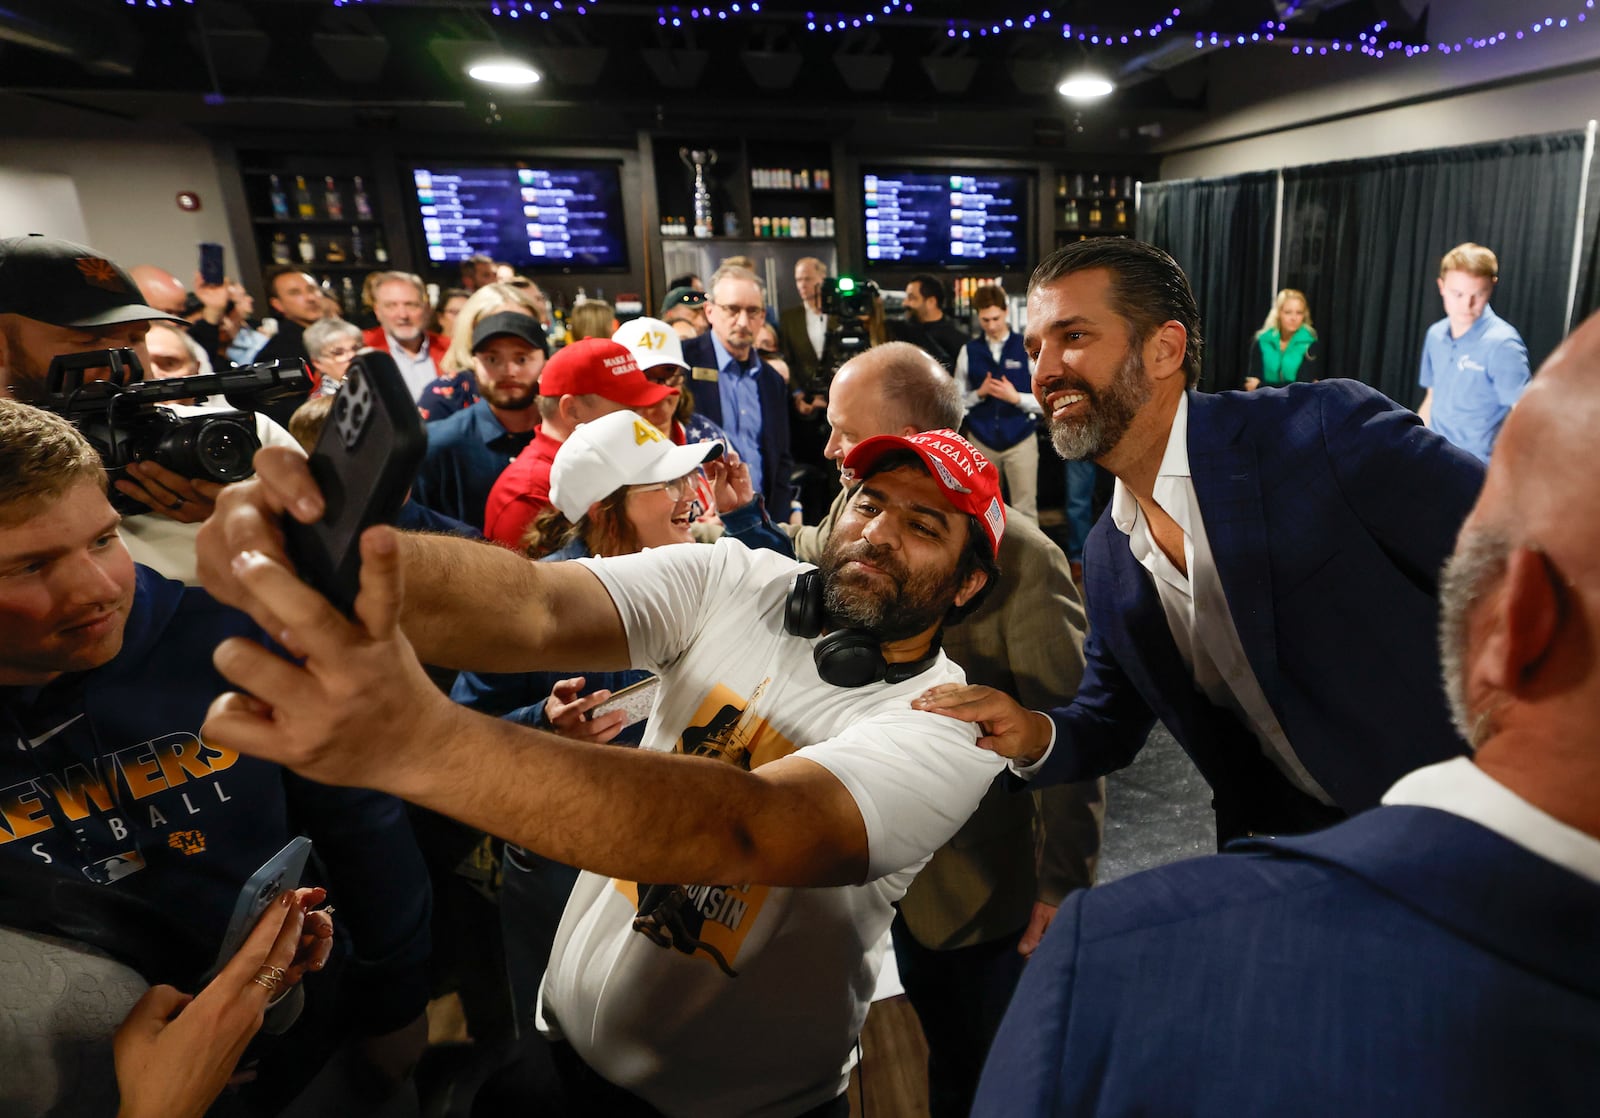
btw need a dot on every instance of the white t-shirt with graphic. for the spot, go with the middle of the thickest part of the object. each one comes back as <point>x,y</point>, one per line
<point>779,1038</point>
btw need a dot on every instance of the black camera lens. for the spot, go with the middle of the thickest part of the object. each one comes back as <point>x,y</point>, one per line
<point>226,452</point>
<point>219,448</point>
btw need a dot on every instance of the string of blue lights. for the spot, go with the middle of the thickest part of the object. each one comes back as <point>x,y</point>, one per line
<point>1371,43</point>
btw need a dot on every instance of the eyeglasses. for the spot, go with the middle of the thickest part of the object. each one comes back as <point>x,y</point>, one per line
<point>736,312</point>
<point>677,488</point>
<point>669,375</point>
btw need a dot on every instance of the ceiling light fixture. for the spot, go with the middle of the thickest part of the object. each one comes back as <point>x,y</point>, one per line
<point>503,71</point>
<point>1085,86</point>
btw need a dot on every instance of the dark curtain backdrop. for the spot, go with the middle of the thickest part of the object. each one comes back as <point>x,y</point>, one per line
<point>1220,232</point>
<point>1363,240</point>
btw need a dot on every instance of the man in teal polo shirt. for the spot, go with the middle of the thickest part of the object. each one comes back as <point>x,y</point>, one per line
<point>1474,364</point>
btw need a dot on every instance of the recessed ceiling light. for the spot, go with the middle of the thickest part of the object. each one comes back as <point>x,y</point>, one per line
<point>1085,87</point>
<point>503,71</point>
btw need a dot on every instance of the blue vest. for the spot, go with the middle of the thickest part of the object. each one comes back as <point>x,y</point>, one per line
<point>996,423</point>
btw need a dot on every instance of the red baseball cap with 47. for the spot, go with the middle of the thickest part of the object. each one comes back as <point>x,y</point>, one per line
<point>968,480</point>
<point>600,367</point>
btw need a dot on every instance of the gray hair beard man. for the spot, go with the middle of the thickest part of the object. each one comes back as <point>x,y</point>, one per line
<point>983,901</point>
<point>1432,956</point>
<point>1264,582</point>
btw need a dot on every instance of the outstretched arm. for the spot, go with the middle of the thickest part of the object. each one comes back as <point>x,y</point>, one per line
<point>467,605</point>
<point>359,710</point>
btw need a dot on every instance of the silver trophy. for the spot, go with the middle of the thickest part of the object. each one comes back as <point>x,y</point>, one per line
<point>698,161</point>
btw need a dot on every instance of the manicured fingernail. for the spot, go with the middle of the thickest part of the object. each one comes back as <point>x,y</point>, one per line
<point>308,507</point>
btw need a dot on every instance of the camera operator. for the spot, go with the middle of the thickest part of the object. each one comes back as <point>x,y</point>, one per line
<point>59,298</point>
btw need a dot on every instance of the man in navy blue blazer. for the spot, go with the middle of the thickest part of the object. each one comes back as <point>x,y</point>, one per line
<point>1434,956</point>
<point>1265,579</point>
<point>735,389</point>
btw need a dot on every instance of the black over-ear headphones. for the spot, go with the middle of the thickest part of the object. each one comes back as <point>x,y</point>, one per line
<point>845,657</point>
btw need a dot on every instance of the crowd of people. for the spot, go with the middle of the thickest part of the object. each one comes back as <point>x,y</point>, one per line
<point>714,656</point>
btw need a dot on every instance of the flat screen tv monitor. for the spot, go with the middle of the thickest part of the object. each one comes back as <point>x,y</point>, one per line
<point>552,216</point>
<point>947,219</point>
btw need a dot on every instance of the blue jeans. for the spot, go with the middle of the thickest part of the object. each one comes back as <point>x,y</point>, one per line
<point>533,895</point>
<point>1080,507</point>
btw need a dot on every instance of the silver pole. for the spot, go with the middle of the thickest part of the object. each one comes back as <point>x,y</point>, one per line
<point>1277,237</point>
<point>1577,226</point>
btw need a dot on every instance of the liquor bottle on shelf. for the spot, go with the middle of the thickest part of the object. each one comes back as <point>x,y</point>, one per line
<point>379,252</point>
<point>332,199</point>
<point>363,203</point>
<point>280,200</point>
<point>1095,190</point>
<point>1120,218</point>
<point>335,252</point>
<point>1077,186</point>
<point>1096,215</point>
<point>302,199</point>
<point>358,245</point>
<point>308,251</point>
<point>1111,188</point>
<point>1069,216</point>
<point>348,299</point>
<point>1061,186</point>
<point>281,252</point>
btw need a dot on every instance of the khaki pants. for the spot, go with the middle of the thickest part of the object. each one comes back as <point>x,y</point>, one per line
<point>1019,465</point>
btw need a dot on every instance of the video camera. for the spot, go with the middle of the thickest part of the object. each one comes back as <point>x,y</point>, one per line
<point>846,301</point>
<point>848,298</point>
<point>122,419</point>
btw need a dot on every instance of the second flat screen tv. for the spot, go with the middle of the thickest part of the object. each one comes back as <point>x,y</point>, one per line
<point>555,216</point>
<point>947,219</point>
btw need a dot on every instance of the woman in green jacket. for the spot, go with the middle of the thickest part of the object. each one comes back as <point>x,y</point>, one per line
<point>1286,349</point>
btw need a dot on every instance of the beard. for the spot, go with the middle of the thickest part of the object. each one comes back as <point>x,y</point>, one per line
<point>25,376</point>
<point>510,397</point>
<point>1111,412</point>
<point>888,609</point>
<point>1479,560</point>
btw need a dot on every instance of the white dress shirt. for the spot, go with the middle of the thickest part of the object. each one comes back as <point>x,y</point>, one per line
<point>816,329</point>
<point>1197,609</point>
<point>1462,788</point>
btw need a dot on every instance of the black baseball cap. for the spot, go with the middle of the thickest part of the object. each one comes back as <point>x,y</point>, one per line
<point>682,297</point>
<point>67,284</point>
<point>509,324</point>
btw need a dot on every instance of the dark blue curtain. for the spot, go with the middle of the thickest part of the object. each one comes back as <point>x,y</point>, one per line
<point>1363,240</point>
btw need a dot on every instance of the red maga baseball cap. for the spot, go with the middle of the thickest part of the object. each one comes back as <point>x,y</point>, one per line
<point>600,367</point>
<point>968,480</point>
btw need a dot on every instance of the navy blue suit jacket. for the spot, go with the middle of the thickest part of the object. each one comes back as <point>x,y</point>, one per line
<point>777,463</point>
<point>1330,511</point>
<point>1407,961</point>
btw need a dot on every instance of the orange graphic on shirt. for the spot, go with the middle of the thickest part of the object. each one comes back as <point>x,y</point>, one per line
<point>711,922</point>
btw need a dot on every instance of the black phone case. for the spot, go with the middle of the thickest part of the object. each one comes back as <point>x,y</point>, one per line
<point>364,463</point>
<point>211,270</point>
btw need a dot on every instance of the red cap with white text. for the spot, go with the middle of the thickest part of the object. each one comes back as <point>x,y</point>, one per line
<point>968,480</point>
<point>600,367</point>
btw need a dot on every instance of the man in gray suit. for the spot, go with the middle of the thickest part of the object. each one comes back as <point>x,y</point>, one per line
<point>981,904</point>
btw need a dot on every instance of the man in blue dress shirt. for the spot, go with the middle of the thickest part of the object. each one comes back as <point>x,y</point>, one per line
<point>1433,956</point>
<point>1474,364</point>
<point>735,389</point>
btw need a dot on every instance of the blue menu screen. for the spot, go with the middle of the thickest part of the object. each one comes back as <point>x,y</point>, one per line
<point>946,219</point>
<point>560,217</point>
